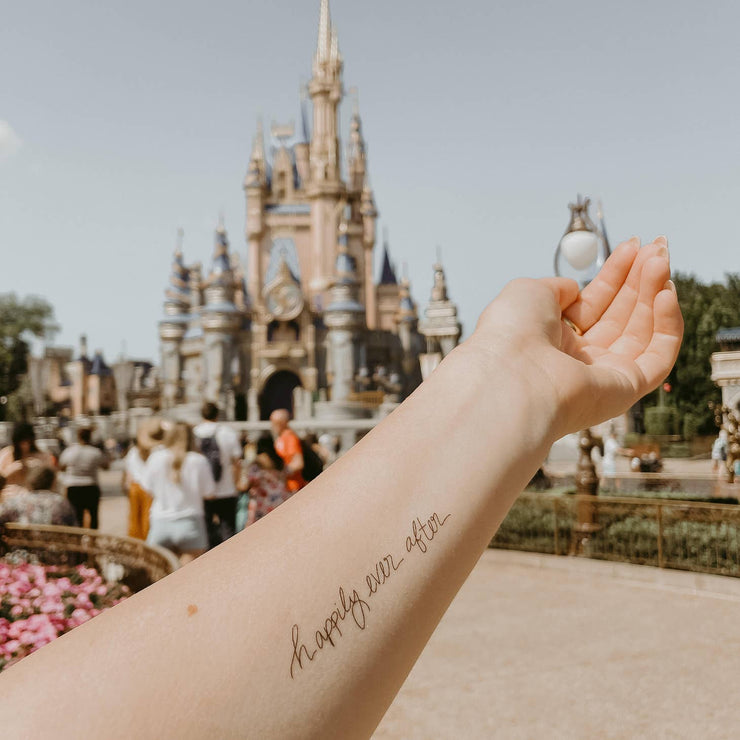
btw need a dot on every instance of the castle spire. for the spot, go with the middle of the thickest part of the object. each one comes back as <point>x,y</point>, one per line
<point>257,172</point>
<point>356,150</point>
<point>178,292</point>
<point>326,93</point>
<point>439,326</point>
<point>324,43</point>
<point>388,274</point>
<point>258,145</point>
<point>221,261</point>
<point>334,54</point>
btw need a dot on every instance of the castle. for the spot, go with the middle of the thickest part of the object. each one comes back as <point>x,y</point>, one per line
<point>303,325</point>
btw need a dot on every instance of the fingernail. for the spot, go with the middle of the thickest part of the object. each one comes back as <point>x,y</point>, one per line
<point>663,251</point>
<point>670,285</point>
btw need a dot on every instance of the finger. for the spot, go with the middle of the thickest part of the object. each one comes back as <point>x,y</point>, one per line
<point>639,329</point>
<point>614,320</point>
<point>660,355</point>
<point>600,292</point>
<point>565,290</point>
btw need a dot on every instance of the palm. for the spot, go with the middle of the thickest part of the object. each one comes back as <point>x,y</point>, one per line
<point>631,324</point>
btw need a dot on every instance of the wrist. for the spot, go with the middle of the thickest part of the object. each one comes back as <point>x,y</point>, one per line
<point>512,387</point>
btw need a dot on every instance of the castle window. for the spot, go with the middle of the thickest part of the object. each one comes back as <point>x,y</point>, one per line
<point>283,331</point>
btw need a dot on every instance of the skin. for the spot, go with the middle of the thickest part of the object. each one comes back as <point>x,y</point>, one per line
<point>207,652</point>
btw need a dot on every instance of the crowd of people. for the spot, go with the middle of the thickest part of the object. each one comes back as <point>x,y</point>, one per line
<point>189,488</point>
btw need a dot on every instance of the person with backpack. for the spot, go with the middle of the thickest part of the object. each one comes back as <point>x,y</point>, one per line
<point>289,447</point>
<point>220,446</point>
<point>315,456</point>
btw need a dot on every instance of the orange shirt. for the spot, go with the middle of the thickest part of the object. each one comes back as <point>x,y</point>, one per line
<point>287,445</point>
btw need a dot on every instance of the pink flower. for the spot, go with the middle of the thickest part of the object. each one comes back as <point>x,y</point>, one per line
<point>11,646</point>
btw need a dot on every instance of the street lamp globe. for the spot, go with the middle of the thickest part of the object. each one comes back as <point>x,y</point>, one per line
<point>583,248</point>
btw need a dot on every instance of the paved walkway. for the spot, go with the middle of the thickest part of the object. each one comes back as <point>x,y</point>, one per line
<point>544,647</point>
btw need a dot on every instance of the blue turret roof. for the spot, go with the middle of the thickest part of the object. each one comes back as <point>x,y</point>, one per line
<point>388,274</point>
<point>221,262</point>
<point>99,366</point>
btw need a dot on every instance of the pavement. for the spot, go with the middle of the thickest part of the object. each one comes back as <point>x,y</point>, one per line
<point>538,646</point>
<point>553,647</point>
<point>676,467</point>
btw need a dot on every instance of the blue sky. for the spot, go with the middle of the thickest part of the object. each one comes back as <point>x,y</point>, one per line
<point>125,121</point>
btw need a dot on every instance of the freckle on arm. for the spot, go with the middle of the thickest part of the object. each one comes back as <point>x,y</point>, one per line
<point>192,609</point>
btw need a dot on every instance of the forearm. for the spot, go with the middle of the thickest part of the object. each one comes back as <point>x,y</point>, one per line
<point>329,599</point>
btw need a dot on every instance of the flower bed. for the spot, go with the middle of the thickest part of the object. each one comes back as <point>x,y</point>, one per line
<point>38,603</point>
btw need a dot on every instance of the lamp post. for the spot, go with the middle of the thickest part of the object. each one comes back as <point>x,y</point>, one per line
<point>580,253</point>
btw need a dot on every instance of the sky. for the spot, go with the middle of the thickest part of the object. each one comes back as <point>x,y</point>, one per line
<point>122,122</point>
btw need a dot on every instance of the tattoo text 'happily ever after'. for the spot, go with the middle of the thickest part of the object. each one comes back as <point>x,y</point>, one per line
<point>352,607</point>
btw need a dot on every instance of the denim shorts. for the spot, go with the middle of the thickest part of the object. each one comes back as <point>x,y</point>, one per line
<point>187,534</point>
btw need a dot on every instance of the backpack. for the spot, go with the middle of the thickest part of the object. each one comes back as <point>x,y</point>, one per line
<point>210,450</point>
<point>312,463</point>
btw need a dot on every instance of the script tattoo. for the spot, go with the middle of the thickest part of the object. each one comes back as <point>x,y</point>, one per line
<point>353,606</point>
<point>423,533</point>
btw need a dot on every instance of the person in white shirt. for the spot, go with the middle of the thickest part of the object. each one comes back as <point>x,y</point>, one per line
<point>220,445</point>
<point>81,463</point>
<point>178,480</point>
<point>149,436</point>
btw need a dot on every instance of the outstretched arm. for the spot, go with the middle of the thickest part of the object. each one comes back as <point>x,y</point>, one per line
<point>307,624</point>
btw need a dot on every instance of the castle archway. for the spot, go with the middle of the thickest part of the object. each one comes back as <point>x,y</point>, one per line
<point>277,393</point>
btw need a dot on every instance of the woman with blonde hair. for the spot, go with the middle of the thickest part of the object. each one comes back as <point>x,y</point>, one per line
<point>178,479</point>
<point>148,437</point>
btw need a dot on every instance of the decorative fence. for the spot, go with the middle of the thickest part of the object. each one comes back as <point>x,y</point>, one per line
<point>664,533</point>
<point>122,559</point>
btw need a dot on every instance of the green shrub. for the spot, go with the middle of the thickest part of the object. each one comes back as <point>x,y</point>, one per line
<point>691,424</point>
<point>661,420</point>
<point>676,449</point>
<point>627,534</point>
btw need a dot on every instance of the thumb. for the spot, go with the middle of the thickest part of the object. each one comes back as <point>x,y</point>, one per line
<point>565,290</point>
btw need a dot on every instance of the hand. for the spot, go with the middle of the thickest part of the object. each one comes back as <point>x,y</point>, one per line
<point>631,332</point>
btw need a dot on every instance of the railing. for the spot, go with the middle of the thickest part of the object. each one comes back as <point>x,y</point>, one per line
<point>368,399</point>
<point>664,533</point>
<point>346,431</point>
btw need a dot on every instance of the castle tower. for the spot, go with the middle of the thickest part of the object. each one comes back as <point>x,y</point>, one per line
<point>344,318</point>
<point>255,187</point>
<point>173,327</point>
<point>369,214</point>
<point>325,189</point>
<point>439,326</point>
<point>302,143</point>
<point>221,322</point>
<point>357,156</point>
<point>407,320</point>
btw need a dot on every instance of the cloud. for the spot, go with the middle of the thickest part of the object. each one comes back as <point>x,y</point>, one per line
<point>10,142</point>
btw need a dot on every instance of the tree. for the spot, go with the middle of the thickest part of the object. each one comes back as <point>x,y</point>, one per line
<point>19,321</point>
<point>706,308</point>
